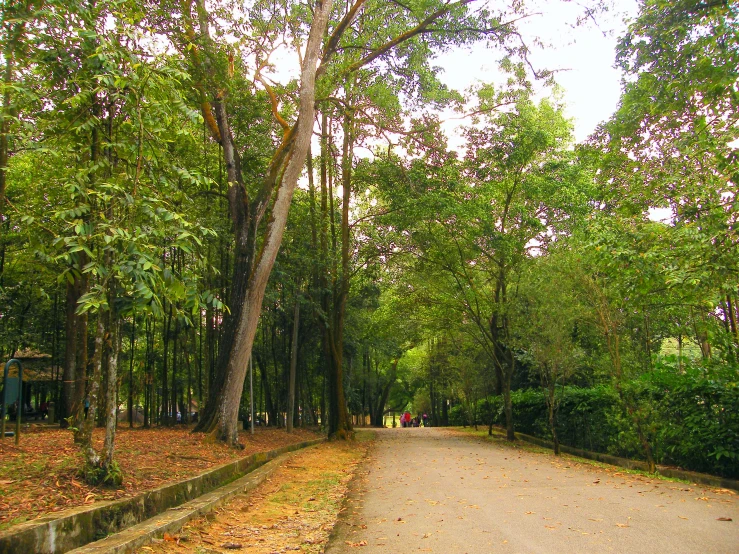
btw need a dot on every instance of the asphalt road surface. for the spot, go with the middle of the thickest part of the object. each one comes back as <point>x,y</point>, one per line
<point>437,490</point>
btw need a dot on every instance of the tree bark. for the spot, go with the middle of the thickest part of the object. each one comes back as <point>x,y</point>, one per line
<point>130,372</point>
<point>293,366</point>
<point>552,415</point>
<point>264,380</point>
<point>70,356</point>
<point>289,160</point>
<point>382,400</point>
<point>88,423</point>
<point>110,393</point>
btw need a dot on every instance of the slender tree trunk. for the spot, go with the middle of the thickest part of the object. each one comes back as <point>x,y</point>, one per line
<point>293,366</point>
<point>148,377</point>
<point>92,458</point>
<point>732,322</point>
<point>111,390</point>
<point>269,407</point>
<point>164,407</point>
<point>175,406</point>
<point>70,356</point>
<point>510,434</point>
<point>130,371</point>
<point>382,400</point>
<point>81,364</point>
<point>552,415</point>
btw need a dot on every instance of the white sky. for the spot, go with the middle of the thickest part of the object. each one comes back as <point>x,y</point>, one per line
<point>584,57</point>
<point>591,85</point>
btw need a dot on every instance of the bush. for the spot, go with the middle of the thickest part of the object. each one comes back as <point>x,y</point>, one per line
<point>699,419</point>
<point>691,418</point>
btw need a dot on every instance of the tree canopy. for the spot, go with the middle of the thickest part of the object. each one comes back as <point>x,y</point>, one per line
<point>193,190</point>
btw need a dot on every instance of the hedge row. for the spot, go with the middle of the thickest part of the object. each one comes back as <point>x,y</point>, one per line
<point>691,418</point>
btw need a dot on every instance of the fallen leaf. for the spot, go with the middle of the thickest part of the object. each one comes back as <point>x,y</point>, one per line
<point>168,537</point>
<point>681,517</point>
<point>724,519</point>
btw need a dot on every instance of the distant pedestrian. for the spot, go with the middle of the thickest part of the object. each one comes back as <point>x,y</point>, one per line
<point>425,420</point>
<point>87,406</point>
<point>44,409</point>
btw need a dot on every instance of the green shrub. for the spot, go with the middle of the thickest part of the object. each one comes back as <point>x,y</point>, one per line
<point>690,417</point>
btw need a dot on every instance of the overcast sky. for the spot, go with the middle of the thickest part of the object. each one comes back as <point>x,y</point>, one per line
<point>585,54</point>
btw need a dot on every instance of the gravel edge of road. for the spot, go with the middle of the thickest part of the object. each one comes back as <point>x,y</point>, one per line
<point>347,518</point>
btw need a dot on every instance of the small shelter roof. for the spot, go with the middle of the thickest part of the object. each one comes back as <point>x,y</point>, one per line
<point>37,366</point>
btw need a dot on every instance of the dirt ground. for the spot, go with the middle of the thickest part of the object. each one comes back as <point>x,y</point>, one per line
<point>293,510</point>
<point>41,475</point>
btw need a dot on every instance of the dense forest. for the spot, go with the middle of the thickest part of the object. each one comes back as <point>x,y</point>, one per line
<point>191,189</point>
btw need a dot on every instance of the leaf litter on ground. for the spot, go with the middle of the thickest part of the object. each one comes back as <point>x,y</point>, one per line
<point>42,474</point>
<point>294,510</point>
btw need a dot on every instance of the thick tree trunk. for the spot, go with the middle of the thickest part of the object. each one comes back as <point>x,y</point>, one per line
<point>226,397</point>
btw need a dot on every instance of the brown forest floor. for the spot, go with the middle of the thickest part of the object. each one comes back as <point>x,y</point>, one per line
<point>295,509</point>
<point>42,475</point>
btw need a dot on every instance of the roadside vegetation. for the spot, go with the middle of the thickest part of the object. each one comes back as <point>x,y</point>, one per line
<point>207,206</point>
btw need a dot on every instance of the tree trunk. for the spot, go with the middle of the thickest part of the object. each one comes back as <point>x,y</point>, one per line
<point>293,366</point>
<point>269,406</point>
<point>70,356</point>
<point>510,435</point>
<point>130,372</point>
<point>552,416</point>
<point>291,156</point>
<point>81,362</point>
<point>92,459</point>
<point>382,400</point>
<point>339,422</point>
<point>110,393</point>
<point>164,407</point>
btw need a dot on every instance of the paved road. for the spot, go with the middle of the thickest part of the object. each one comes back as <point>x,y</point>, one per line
<point>435,490</point>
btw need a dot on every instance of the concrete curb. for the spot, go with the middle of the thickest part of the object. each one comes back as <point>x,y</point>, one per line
<point>674,473</point>
<point>174,519</point>
<point>63,531</point>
